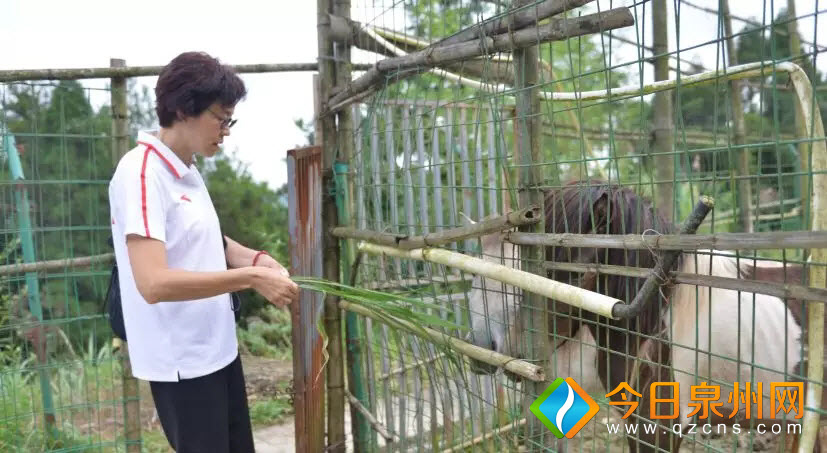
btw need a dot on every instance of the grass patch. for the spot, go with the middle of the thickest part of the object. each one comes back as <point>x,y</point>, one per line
<point>269,411</point>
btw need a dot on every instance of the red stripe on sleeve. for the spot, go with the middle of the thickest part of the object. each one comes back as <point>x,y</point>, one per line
<point>143,191</point>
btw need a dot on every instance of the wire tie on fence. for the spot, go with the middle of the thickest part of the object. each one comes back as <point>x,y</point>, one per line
<point>664,277</point>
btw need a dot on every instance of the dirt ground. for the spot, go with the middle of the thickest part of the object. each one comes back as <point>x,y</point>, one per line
<point>265,378</point>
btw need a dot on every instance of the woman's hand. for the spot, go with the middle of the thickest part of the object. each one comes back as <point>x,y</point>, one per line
<point>274,284</point>
<point>268,261</point>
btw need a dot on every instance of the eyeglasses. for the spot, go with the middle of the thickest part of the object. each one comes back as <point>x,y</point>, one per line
<point>225,122</point>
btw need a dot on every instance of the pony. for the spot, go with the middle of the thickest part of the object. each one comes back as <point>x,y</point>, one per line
<point>690,335</point>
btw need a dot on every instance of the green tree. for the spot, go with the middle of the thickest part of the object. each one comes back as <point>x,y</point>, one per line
<point>250,212</point>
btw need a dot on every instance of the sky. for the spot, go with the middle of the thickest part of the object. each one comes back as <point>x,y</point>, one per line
<point>38,34</point>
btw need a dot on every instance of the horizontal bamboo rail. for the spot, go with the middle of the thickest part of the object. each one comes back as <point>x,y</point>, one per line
<point>719,241</point>
<point>433,56</point>
<point>69,263</point>
<point>572,295</point>
<point>745,71</point>
<point>780,290</point>
<point>20,75</point>
<point>494,358</point>
<point>526,216</point>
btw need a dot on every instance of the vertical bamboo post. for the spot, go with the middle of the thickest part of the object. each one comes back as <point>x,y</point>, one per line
<point>120,145</point>
<point>424,217</point>
<point>353,337</point>
<point>493,205</point>
<point>375,164</point>
<point>742,159</point>
<point>390,154</point>
<point>529,177</point>
<point>408,182</point>
<point>663,123</point>
<point>330,244</point>
<point>466,172</point>
<point>120,111</point>
<point>478,169</point>
<point>367,341</point>
<point>803,147</point>
<point>452,174</point>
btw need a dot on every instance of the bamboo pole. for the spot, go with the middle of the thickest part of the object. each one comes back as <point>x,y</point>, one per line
<point>780,290</point>
<point>656,278</point>
<point>130,391</point>
<point>740,72</point>
<point>357,406</point>
<point>330,245</point>
<point>365,38</point>
<point>525,216</point>
<point>663,115</point>
<point>516,19</point>
<point>803,147</point>
<point>555,30</point>
<point>814,130</point>
<point>362,439</point>
<point>69,263</point>
<point>739,137</point>
<point>466,171</point>
<point>529,156</point>
<point>20,75</point>
<point>120,110</point>
<point>418,364</point>
<point>390,157</point>
<point>720,241</point>
<point>572,295</point>
<point>377,186</point>
<point>407,181</point>
<point>479,174</point>
<point>486,436</point>
<point>519,367</point>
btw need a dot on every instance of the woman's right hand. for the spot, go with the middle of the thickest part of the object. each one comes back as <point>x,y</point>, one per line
<point>274,286</point>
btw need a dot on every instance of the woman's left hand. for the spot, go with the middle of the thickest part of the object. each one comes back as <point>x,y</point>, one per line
<point>268,261</point>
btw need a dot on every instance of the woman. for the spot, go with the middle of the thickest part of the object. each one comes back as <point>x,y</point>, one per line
<point>173,263</point>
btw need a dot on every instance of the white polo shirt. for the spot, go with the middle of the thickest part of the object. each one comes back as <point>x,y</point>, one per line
<point>155,195</point>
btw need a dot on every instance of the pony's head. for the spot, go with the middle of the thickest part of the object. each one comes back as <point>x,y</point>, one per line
<point>581,208</point>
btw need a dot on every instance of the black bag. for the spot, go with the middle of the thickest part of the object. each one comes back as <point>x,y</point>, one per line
<point>113,303</point>
<point>115,310</point>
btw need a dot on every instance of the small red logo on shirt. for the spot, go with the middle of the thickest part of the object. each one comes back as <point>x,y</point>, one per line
<point>186,198</point>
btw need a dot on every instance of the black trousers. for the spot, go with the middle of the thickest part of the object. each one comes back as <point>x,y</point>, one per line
<point>208,414</point>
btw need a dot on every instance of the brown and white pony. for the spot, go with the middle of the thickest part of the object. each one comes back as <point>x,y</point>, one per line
<point>690,334</point>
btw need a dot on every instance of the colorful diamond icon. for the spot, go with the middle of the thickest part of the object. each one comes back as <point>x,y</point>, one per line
<point>564,408</point>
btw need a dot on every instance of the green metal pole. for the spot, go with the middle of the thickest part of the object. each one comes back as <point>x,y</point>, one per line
<point>21,200</point>
<point>353,337</point>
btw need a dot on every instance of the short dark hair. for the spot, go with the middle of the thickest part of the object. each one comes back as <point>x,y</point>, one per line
<point>193,81</point>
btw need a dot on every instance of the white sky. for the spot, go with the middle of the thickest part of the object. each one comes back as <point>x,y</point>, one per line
<point>86,33</point>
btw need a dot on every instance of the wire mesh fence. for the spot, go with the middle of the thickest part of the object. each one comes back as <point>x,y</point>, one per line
<point>609,118</point>
<point>62,380</point>
<point>616,128</point>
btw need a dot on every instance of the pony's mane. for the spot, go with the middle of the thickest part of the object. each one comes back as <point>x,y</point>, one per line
<point>597,207</point>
